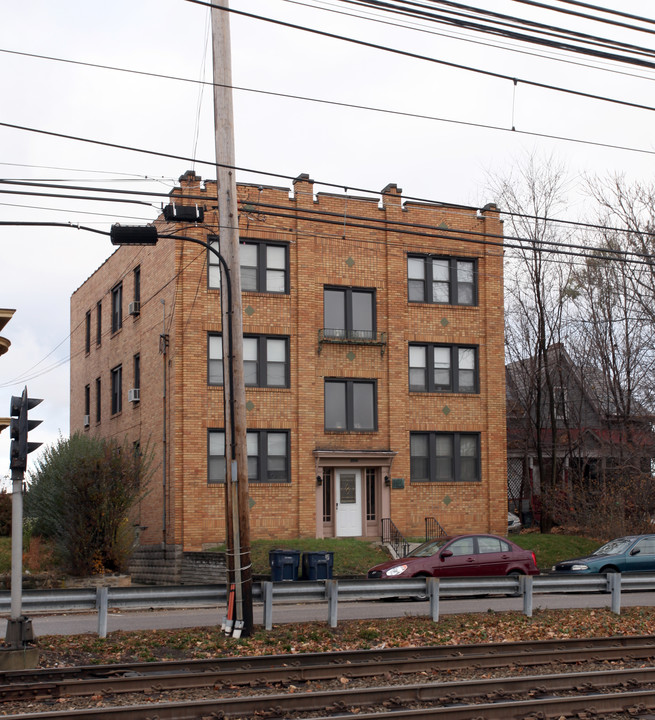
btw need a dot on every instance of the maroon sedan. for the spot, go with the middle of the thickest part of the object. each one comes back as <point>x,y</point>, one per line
<point>462,555</point>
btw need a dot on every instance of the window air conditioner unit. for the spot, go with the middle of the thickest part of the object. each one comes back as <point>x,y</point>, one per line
<point>133,395</point>
<point>86,421</point>
<point>134,308</point>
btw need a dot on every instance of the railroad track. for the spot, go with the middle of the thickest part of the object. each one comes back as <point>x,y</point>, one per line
<point>380,684</point>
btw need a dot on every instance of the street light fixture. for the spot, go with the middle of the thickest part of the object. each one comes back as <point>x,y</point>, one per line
<point>148,235</point>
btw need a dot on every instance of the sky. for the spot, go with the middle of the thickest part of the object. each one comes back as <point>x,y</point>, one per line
<point>448,129</point>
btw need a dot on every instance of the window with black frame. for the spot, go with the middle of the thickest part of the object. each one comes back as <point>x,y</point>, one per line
<point>117,308</point>
<point>268,456</point>
<point>443,368</point>
<point>349,313</point>
<point>350,405</point>
<point>265,360</point>
<point>116,389</point>
<point>444,280</point>
<point>444,457</point>
<point>264,266</point>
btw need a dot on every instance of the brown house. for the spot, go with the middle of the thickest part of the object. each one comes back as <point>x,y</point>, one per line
<point>568,414</point>
<point>373,348</point>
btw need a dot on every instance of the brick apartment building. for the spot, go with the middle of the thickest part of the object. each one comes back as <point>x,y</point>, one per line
<point>373,348</point>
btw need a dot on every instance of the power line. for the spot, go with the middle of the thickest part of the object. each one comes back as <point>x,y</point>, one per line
<point>203,198</point>
<point>417,56</point>
<point>416,9</point>
<point>608,11</point>
<point>463,37</point>
<point>335,103</point>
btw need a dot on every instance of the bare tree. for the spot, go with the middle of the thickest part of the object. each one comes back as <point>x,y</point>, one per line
<point>537,278</point>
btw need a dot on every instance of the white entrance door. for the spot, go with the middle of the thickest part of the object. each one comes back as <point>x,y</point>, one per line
<point>349,503</point>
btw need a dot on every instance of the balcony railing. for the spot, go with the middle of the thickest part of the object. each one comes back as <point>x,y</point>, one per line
<point>341,336</point>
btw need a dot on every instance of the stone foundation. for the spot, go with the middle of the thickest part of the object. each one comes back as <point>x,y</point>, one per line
<point>170,565</point>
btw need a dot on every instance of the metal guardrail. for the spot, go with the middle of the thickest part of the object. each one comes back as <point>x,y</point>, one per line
<point>101,599</point>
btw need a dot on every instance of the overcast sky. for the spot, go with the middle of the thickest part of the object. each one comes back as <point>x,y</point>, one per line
<point>446,155</point>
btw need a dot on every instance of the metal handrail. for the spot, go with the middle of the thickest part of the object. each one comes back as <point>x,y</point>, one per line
<point>393,536</point>
<point>433,529</point>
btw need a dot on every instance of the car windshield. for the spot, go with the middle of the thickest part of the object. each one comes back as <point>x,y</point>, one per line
<point>428,548</point>
<point>614,547</point>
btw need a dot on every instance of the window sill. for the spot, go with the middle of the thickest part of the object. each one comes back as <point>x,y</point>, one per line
<point>350,432</point>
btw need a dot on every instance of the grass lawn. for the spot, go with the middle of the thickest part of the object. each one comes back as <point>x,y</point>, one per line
<point>351,556</point>
<point>551,548</point>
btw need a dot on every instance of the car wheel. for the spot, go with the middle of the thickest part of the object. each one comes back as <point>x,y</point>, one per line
<point>609,569</point>
<point>515,574</point>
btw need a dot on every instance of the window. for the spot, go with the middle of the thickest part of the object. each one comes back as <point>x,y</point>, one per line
<point>137,371</point>
<point>87,333</point>
<point>327,495</point>
<point>492,545</point>
<point>265,360</point>
<point>444,457</point>
<point>349,313</point>
<point>137,283</point>
<point>561,402</point>
<point>448,280</point>
<point>87,401</point>
<point>268,456</point>
<point>117,308</point>
<point>350,405</point>
<point>370,494</point>
<point>264,266</point>
<point>116,390</point>
<point>98,323</point>
<point>98,399</point>
<point>443,368</point>
<point>464,546</point>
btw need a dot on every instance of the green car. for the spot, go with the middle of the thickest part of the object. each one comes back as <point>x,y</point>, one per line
<point>632,553</point>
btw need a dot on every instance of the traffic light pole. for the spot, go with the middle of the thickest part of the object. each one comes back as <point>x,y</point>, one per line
<point>19,628</point>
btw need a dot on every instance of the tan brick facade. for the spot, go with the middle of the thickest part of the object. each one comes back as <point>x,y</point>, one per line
<point>332,240</point>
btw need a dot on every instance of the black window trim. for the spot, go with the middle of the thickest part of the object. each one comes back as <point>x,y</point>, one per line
<point>262,468</point>
<point>432,454</point>
<point>452,279</point>
<point>136,370</point>
<point>117,307</point>
<point>348,291</point>
<point>99,322</point>
<point>454,368</point>
<point>98,399</point>
<point>87,332</point>
<point>349,382</point>
<point>136,274</point>
<point>261,360</point>
<point>116,389</point>
<point>262,244</point>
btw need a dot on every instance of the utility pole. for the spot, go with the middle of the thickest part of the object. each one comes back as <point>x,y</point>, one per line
<point>236,456</point>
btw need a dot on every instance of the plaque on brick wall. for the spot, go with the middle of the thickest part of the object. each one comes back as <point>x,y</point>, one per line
<point>397,483</point>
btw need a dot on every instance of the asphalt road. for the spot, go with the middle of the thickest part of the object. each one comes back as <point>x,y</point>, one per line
<point>83,622</point>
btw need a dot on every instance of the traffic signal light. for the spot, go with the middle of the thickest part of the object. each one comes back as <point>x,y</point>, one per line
<point>20,425</point>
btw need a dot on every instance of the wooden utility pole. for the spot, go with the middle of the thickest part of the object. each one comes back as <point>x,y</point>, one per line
<point>236,455</point>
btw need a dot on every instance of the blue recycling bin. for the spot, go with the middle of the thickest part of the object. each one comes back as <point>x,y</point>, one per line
<point>317,565</point>
<point>284,564</point>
